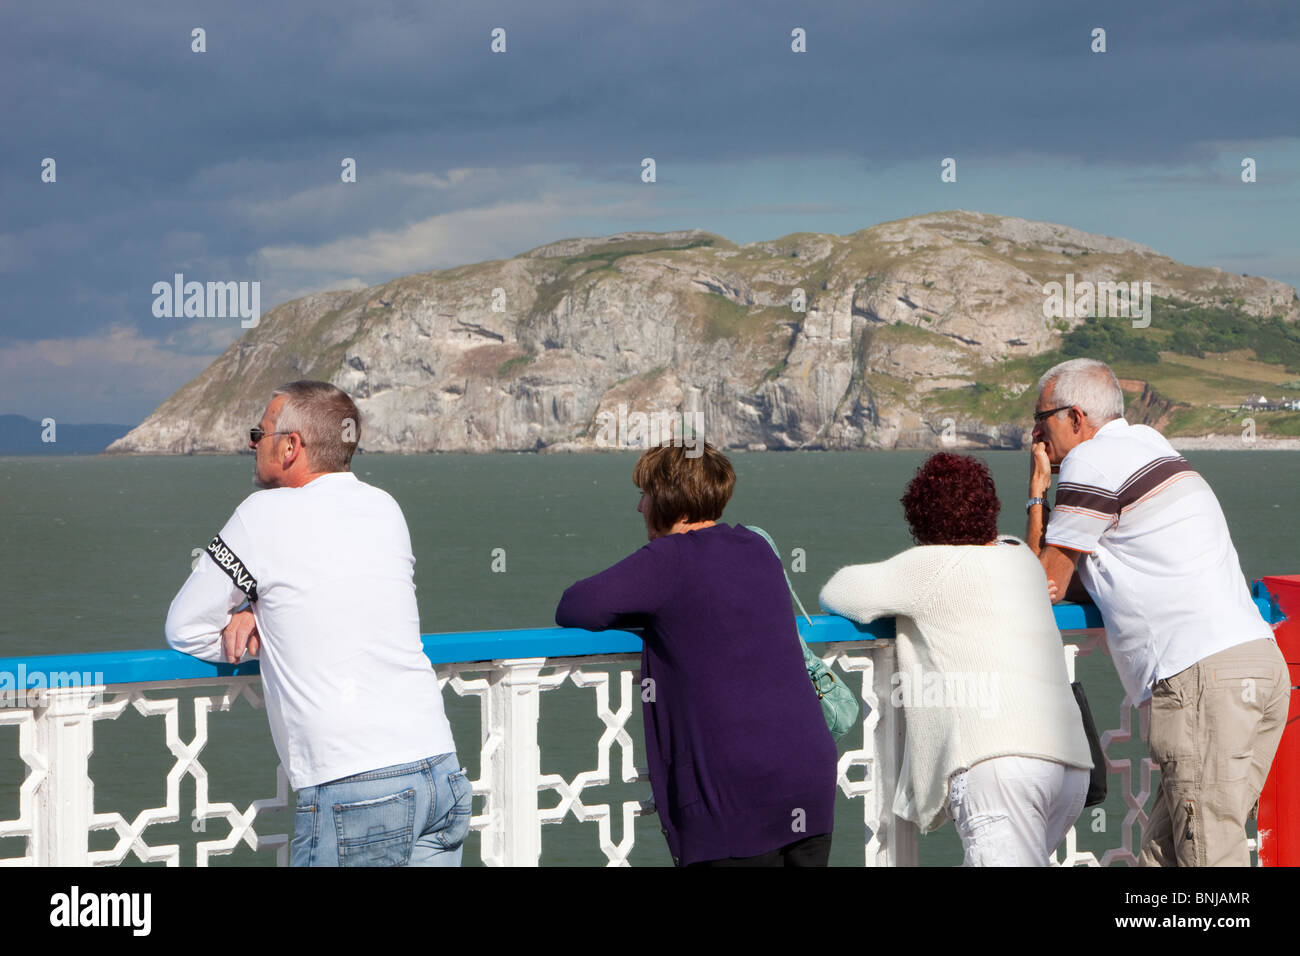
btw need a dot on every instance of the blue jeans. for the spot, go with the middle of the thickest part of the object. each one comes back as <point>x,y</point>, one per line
<point>414,814</point>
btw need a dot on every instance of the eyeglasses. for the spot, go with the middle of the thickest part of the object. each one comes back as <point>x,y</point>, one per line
<point>255,435</point>
<point>1040,417</point>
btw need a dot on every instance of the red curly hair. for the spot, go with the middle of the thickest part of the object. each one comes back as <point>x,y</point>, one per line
<point>951,500</point>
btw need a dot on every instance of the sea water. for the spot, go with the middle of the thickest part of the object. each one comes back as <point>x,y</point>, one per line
<point>94,549</point>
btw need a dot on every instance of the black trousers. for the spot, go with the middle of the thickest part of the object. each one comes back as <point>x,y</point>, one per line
<point>810,851</point>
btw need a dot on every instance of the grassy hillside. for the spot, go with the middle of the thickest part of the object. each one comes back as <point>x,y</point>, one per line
<point>1206,359</point>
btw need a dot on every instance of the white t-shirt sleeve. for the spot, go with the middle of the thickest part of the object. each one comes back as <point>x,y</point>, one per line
<point>219,583</point>
<point>1086,506</point>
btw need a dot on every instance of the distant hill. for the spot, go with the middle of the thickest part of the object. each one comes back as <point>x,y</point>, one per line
<point>916,333</point>
<point>22,436</point>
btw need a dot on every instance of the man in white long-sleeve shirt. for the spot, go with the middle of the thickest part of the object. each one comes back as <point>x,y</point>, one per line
<point>325,566</point>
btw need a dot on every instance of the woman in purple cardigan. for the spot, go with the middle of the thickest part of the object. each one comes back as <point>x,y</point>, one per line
<point>742,766</point>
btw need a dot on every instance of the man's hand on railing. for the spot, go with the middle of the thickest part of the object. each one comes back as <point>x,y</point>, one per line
<point>240,635</point>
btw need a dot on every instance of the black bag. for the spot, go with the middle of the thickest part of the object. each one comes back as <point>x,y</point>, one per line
<point>1097,779</point>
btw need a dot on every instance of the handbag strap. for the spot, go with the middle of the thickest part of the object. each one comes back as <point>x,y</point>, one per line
<point>768,538</point>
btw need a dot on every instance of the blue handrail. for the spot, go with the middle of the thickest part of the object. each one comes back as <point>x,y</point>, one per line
<point>164,664</point>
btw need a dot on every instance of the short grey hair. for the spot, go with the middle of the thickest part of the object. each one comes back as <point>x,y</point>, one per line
<point>326,418</point>
<point>1087,384</point>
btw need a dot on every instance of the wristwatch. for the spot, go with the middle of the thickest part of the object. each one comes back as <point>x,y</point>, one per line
<point>1037,501</point>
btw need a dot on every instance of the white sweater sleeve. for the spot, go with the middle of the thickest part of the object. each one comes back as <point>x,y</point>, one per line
<point>900,585</point>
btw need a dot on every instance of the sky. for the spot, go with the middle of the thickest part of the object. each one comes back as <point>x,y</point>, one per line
<point>225,165</point>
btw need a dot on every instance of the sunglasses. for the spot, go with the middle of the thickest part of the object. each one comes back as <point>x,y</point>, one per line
<point>256,434</point>
<point>1040,417</point>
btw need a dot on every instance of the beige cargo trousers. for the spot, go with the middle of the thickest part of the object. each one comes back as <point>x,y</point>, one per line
<point>1214,730</point>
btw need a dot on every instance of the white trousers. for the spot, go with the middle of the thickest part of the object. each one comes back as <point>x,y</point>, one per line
<point>1015,811</point>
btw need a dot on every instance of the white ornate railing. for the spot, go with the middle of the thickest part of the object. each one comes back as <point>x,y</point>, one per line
<point>1121,767</point>
<point>510,755</point>
<point>57,811</point>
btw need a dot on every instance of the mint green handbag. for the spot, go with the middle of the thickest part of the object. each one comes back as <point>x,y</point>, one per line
<point>839,704</point>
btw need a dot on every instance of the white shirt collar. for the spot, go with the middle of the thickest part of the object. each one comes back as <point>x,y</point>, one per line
<point>329,475</point>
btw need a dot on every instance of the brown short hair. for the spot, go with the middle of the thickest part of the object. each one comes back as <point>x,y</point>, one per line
<point>683,488</point>
<point>325,417</point>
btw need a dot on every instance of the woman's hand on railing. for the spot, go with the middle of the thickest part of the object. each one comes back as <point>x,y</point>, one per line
<point>240,635</point>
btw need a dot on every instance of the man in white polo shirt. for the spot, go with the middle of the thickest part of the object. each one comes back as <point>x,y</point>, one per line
<point>324,563</point>
<point>1151,547</point>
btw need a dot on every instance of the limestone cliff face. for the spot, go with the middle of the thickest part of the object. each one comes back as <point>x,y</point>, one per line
<point>532,353</point>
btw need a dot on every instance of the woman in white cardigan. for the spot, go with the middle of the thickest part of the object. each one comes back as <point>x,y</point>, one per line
<point>994,738</point>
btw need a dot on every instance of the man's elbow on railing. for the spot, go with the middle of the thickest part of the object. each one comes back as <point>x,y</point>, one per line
<point>194,638</point>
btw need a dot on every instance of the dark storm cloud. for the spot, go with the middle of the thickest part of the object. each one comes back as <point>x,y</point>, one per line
<point>117,91</point>
<point>165,156</point>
